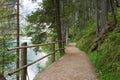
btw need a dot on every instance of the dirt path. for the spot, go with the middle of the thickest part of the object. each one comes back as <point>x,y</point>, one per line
<point>74,65</point>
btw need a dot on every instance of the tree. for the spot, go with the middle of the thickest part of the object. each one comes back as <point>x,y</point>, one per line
<point>6,58</point>
<point>68,16</point>
<point>49,15</point>
<point>104,15</point>
<point>113,11</point>
<point>58,24</point>
<point>7,32</point>
<point>97,19</point>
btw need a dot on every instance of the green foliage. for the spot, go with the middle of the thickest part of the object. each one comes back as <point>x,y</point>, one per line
<point>6,57</point>
<point>118,14</point>
<point>42,24</point>
<point>79,16</point>
<point>40,68</point>
<point>7,28</point>
<point>86,37</point>
<point>107,57</point>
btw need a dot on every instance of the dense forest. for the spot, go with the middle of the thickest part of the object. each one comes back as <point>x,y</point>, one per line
<point>92,24</point>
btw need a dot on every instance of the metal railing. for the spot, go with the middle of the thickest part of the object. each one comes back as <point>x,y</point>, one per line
<point>24,64</point>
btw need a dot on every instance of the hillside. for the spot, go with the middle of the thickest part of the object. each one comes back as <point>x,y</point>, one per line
<point>106,57</point>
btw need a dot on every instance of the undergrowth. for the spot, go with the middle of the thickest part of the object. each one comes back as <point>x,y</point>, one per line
<point>107,56</point>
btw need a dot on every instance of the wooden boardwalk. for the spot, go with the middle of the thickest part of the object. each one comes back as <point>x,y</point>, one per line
<point>74,65</point>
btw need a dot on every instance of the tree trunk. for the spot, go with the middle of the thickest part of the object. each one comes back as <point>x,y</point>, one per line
<point>104,15</point>
<point>113,12</point>
<point>67,32</point>
<point>62,22</point>
<point>58,25</point>
<point>18,41</point>
<point>97,20</point>
<point>84,15</point>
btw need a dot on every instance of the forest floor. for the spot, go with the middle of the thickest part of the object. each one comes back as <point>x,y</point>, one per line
<point>74,65</point>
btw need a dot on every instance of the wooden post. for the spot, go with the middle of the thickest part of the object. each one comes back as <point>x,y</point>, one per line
<point>53,51</point>
<point>24,61</point>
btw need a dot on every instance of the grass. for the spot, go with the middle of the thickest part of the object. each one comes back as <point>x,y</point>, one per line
<point>107,56</point>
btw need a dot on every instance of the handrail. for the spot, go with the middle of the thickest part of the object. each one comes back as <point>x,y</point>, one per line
<point>29,64</point>
<point>34,45</point>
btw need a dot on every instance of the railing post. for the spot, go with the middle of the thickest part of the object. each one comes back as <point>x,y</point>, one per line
<point>53,50</point>
<point>24,61</point>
